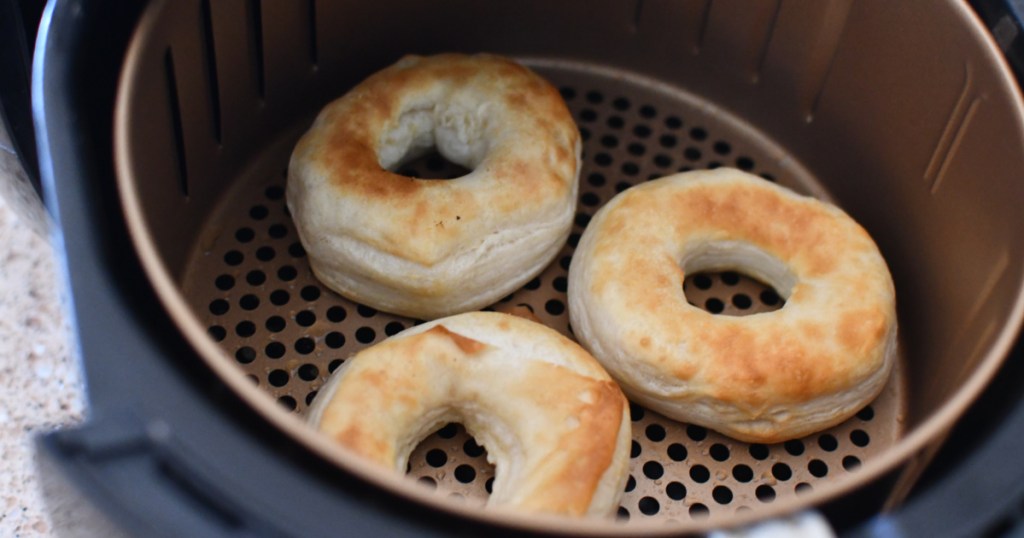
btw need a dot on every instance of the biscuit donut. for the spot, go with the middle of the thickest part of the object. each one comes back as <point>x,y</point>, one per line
<point>429,248</point>
<point>555,425</point>
<point>765,377</point>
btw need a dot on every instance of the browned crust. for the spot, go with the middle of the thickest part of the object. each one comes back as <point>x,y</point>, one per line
<point>759,362</point>
<point>425,218</point>
<point>568,423</point>
<point>577,460</point>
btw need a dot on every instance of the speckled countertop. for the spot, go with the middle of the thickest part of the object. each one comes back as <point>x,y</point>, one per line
<point>40,383</point>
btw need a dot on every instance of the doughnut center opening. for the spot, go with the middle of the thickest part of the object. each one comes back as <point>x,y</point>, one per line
<point>736,280</point>
<point>439,141</point>
<point>433,165</point>
<point>451,452</point>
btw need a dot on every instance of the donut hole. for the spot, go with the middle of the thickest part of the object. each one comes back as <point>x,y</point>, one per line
<point>454,463</point>
<point>735,280</point>
<point>445,140</point>
<point>432,165</point>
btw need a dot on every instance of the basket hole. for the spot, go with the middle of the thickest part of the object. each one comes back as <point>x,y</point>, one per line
<point>817,468</point>
<point>472,449</point>
<point>224,282</point>
<point>636,413</point>
<point>308,372</point>
<point>719,452</point>
<point>249,302</point>
<point>743,473</point>
<point>366,335</point>
<point>245,354</point>
<point>255,277</point>
<point>677,452</point>
<point>860,438</point>
<point>336,314</point>
<point>274,350</point>
<point>219,307</point>
<point>280,297</point>
<point>781,471</point>
<point>655,432</point>
<point>287,273</point>
<point>275,324</point>
<point>334,339</point>
<point>305,345</point>
<point>634,449</point>
<point>310,293</point>
<point>699,511</point>
<point>700,474</point>
<point>436,457</point>
<point>648,506</point>
<point>244,234</point>
<point>722,495</point>
<point>765,493</point>
<point>675,491</point>
<point>630,484</point>
<point>277,231</point>
<point>305,318</point>
<point>217,332</point>
<point>278,378</point>
<point>245,329</point>
<point>287,402</point>
<point>653,470</point>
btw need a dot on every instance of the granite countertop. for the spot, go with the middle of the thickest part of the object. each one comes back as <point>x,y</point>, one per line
<point>40,383</point>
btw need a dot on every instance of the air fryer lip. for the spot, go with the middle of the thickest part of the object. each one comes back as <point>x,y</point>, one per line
<point>215,357</point>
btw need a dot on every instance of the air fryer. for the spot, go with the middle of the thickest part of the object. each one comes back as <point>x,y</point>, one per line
<point>164,130</point>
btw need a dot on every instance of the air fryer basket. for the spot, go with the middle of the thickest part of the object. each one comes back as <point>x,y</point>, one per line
<point>904,115</point>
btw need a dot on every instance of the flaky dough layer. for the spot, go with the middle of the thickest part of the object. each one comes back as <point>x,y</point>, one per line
<point>765,377</point>
<point>553,422</point>
<point>429,248</point>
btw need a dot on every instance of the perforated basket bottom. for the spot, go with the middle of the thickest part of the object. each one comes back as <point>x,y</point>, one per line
<point>250,283</point>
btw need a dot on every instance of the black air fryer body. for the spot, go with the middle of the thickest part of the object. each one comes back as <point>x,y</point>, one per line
<point>169,451</point>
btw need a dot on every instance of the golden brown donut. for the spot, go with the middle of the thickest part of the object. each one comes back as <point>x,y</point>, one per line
<point>765,377</point>
<point>555,425</point>
<point>429,248</point>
